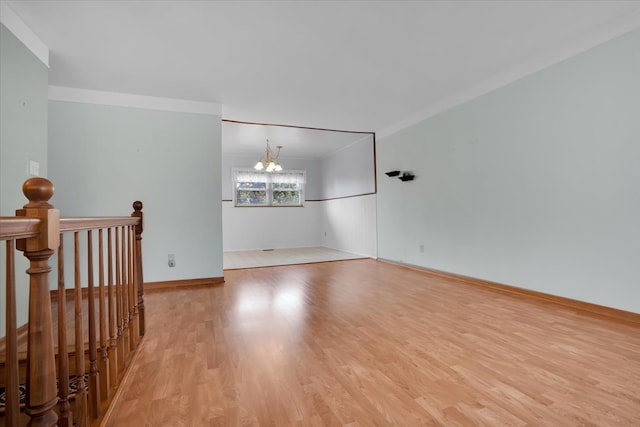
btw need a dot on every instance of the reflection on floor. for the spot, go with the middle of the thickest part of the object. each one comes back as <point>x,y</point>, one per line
<point>266,258</point>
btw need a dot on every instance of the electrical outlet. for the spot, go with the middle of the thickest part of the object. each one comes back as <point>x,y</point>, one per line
<point>421,248</point>
<point>172,260</point>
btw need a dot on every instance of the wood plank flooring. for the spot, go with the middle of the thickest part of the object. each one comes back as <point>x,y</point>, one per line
<point>366,343</point>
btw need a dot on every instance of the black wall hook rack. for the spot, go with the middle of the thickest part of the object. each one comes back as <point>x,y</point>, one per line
<point>406,176</point>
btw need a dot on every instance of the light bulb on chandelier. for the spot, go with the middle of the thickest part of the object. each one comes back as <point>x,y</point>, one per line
<point>271,161</point>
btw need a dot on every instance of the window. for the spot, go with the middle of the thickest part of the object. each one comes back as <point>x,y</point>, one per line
<point>254,188</point>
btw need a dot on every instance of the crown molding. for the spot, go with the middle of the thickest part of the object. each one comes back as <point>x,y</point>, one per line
<point>18,28</point>
<point>612,30</point>
<point>85,96</point>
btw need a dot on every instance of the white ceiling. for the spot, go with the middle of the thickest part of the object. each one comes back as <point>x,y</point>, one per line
<point>365,66</point>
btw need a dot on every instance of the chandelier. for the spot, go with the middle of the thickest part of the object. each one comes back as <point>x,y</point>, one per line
<point>269,160</point>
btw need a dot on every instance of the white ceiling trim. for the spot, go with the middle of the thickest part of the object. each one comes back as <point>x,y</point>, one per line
<point>9,19</point>
<point>615,29</point>
<point>60,93</point>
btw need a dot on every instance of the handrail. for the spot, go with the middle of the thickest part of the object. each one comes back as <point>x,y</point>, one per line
<point>12,227</point>
<point>21,228</point>
<point>94,223</point>
<point>115,298</point>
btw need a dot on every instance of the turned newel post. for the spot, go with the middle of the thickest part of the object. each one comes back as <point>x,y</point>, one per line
<point>137,212</point>
<point>41,369</point>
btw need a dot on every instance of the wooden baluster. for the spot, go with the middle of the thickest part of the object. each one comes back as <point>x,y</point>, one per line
<point>12,399</point>
<point>118,303</point>
<point>132,320</point>
<point>81,394</point>
<point>41,366</point>
<point>103,368</point>
<point>134,288</point>
<point>125,299</point>
<point>113,334</point>
<point>94,379</point>
<point>64,409</point>
<point>125,291</point>
<point>137,212</point>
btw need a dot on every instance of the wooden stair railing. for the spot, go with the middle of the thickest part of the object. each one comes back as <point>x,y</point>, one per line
<point>12,230</point>
<point>106,319</point>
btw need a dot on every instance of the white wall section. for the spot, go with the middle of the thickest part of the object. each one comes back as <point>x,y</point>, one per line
<point>349,225</point>
<point>350,171</point>
<point>250,228</point>
<point>533,185</point>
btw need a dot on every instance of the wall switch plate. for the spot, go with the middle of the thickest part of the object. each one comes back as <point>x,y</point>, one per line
<point>34,168</point>
<point>421,248</point>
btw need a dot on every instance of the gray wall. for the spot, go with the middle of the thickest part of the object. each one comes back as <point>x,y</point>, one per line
<point>102,158</point>
<point>535,185</point>
<point>23,118</point>
<point>23,136</point>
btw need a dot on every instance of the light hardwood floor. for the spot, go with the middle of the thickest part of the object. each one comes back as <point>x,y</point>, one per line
<point>365,343</point>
